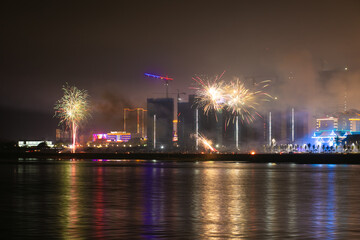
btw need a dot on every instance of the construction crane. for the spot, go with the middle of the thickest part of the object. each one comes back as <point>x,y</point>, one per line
<point>166,81</point>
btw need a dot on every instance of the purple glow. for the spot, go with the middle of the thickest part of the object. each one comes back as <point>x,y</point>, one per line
<point>157,76</point>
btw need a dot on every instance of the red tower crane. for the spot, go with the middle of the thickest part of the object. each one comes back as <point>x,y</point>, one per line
<point>166,80</point>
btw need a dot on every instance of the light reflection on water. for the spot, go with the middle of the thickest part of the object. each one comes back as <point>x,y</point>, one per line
<point>191,200</point>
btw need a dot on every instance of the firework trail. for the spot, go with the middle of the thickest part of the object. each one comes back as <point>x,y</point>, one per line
<point>72,109</point>
<point>206,143</point>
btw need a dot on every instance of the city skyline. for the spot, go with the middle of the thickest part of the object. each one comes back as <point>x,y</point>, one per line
<point>106,49</point>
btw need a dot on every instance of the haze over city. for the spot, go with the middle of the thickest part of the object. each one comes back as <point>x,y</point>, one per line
<point>107,47</point>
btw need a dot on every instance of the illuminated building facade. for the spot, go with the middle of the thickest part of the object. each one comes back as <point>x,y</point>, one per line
<point>118,136</point>
<point>354,124</point>
<point>326,124</point>
<point>327,131</point>
<point>160,115</point>
<point>34,143</point>
<point>99,137</point>
<point>114,136</point>
<point>333,130</point>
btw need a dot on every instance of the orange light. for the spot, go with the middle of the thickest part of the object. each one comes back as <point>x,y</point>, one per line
<point>252,152</point>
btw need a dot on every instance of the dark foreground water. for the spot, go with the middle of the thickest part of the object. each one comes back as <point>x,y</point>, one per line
<point>88,199</point>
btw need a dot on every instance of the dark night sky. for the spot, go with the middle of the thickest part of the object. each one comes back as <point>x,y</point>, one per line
<point>106,46</point>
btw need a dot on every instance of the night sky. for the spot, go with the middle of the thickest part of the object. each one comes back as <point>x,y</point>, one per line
<point>106,47</point>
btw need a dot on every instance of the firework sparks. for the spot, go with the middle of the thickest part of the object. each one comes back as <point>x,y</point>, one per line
<point>243,102</point>
<point>206,143</point>
<point>210,94</point>
<point>72,109</point>
<point>233,96</point>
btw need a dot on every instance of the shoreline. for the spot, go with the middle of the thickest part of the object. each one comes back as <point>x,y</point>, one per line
<point>303,158</point>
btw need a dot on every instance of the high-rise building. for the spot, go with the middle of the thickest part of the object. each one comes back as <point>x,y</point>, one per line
<point>290,126</point>
<point>160,115</point>
<point>301,125</point>
<point>186,126</point>
<point>222,129</point>
<point>194,124</point>
<point>276,127</point>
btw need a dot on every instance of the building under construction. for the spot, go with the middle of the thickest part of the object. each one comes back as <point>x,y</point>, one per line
<point>160,115</point>
<point>134,122</point>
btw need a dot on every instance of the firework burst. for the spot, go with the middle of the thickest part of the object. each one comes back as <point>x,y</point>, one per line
<point>210,93</point>
<point>72,109</point>
<point>233,96</point>
<point>241,101</point>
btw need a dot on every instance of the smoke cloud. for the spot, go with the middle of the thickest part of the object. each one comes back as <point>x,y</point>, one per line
<point>108,111</point>
<point>304,84</point>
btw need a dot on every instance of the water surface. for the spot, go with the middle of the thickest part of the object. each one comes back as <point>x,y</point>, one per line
<point>129,199</point>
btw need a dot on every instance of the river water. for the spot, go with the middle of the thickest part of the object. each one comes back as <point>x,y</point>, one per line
<point>136,199</point>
